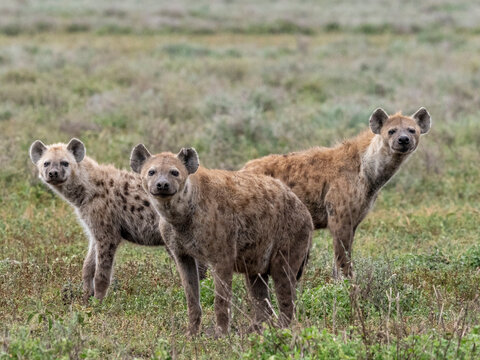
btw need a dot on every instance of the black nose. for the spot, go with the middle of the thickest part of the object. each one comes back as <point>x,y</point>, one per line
<point>53,174</point>
<point>163,185</point>
<point>404,140</point>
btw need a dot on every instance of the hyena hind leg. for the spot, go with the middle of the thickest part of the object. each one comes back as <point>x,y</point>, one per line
<point>258,288</point>
<point>285,280</point>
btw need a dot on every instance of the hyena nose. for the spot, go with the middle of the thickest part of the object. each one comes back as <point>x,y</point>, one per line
<point>53,174</point>
<point>163,185</point>
<point>404,140</point>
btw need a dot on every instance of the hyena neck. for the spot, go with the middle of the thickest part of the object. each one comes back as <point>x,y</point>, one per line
<point>379,164</point>
<point>78,189</point>
<point>180,209</point>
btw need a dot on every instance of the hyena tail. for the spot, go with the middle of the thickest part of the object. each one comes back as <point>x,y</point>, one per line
<point>304,263</point>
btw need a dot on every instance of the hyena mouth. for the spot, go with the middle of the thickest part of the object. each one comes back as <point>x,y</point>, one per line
<point>163,195</point>
<point>55,181</point>
<point>402,149</point>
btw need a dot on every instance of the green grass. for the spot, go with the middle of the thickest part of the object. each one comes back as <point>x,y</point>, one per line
<point>285,77</point>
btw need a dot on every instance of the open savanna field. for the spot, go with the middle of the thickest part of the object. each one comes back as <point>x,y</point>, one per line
<point>239,80</point>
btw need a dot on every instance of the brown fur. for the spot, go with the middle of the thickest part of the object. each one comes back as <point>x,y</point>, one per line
<point>235,222</point>
<point>339,185</point>
<point>110,203</point>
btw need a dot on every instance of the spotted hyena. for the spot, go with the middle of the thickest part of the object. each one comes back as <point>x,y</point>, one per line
<point>234,222</point>
<point>339,185</point>
<point>110,203</point>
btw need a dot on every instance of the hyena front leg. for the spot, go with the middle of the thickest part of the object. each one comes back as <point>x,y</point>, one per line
<point>88,271</point>
<point>343,234</point>
<point>105,250</point>
<point>187,267</point>
<point>222,278</point>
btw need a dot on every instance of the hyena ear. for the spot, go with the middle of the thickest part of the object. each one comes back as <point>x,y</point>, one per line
<point>377,120</point>
<point>36,151</point>
<point>189,157</point>
<point>423,119</point>
<point>77,148</point>
<point>138,157</point>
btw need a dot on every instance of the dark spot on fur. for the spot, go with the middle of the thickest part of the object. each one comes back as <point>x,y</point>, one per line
<point>125,207</point>
<point>146,203</point>
<point>125,189</point>
<point>132,208</point>
<point>124,199</point>
<point>291,184</point>
<point>111,183</point>
<point>140,208</point>
<point>141,217</point>
<point>78,194</point>
<point>137,197</point>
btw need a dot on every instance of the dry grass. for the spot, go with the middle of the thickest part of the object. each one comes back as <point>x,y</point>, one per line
<point>238,92</point>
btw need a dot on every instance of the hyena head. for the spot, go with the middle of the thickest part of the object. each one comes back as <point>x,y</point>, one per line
<point>164,175</point>
<point>57,163</point>
<point>400,133</point>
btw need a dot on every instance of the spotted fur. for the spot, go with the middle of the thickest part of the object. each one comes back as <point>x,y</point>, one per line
<point>110,204</point>
<point>339,185</point>
<point>234,222</point>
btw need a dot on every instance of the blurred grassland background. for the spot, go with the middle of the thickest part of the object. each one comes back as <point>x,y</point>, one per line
<point>238,80</point>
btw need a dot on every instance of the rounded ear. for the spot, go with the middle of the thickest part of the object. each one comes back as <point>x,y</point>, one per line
<point>423,119</point>
<point>36,151</point>
<point>139,155</point>
<point>189,157</point>
<point>77,148</point>
<point>377,120</point>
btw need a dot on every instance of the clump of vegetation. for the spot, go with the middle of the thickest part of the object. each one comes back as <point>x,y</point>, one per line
<point>300,75</point>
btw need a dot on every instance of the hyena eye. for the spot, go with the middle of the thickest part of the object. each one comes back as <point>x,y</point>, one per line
<point>174,172</point>
<point>64,163</point>
<point>46,163</point>
<point>392,131</point>
<point>411,130</point>
<point>151,173</point>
